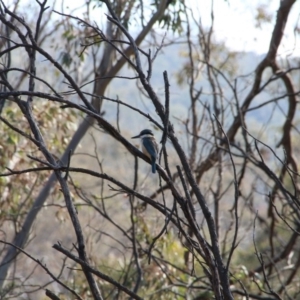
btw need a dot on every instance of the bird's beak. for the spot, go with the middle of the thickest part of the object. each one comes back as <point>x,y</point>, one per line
<point>135,137</point>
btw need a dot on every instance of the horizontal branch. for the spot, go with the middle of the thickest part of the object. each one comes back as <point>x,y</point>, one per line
<point>125,188</point>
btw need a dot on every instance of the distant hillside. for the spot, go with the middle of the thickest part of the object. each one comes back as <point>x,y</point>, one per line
<point>170,59</point>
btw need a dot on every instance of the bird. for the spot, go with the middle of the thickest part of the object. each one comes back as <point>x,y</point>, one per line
<point>149,146</point>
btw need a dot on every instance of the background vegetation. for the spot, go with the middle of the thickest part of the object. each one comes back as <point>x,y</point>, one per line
<point>82,216</point>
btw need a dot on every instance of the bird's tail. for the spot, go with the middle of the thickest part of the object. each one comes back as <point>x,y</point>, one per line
<point>153,161</point>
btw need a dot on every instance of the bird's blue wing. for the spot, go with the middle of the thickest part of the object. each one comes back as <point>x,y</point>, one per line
<point>150,147</point>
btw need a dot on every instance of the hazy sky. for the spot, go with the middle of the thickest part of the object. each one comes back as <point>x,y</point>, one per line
<point>235,23</point>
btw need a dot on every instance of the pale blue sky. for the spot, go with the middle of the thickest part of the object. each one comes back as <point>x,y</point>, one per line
<point>234,22</point>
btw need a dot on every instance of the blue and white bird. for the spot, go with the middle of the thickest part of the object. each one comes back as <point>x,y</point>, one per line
<point>149,146</point>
